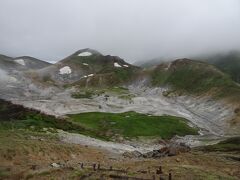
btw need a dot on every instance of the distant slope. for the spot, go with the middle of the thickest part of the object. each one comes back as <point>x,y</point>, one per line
<point>149,63</point>
<point>21,63</point>
<point>31,63</point>
<point>228,63</point>
<point>7,64</point>
<point>88,67</point>
<point>195,77</point>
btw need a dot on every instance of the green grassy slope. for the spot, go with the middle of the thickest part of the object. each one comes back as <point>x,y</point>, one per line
<point>15,117</point>
<point>132,125</point>
<point>228,63</point>
<point>99,125</point>
<point>195,77</point>
<point>231,144</point>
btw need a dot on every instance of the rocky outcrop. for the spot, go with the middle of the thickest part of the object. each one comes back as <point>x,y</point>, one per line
<point>169,150</point>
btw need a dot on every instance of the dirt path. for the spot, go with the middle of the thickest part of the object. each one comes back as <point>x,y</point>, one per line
<point>113,147</point>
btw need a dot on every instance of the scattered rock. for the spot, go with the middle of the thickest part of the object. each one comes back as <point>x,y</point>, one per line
<point>169,150</point>
<point>34,167</point>
<point>132,154</point>
<point>175,149</point>
<point>178,160</point>
<point>55,165</point>
<point>237,110</point>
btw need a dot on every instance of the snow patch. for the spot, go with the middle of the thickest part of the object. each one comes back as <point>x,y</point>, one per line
<point>65,70</point>
<point>90,75</point>
<point>85,64</point>
<point>20,61</point>
<point>117,65</point>
<point>85,54</point>
<point>55,165</point>
<point>125,65</point>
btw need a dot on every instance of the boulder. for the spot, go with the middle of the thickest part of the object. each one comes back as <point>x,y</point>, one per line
<point>169,150</point>
<point>55,165</point>
<point>175,149</point>
<point>132,154</point>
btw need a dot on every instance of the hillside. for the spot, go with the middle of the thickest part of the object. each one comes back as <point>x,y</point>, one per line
<point>31,62</point>
<point>7,64</point>
<point>228,63</point>
<point>88,67</point>
<point>31,149</point>
<point>17,117</point>
<point>22,63</point>
<point>185,77</point>
<point>195,77</point>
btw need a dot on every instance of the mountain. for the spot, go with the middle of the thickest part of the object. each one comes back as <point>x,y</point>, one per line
<point>21,63</point>
<point>185,77</point>
<point>195,77</point>
<point>89,67</point>
<point>30,62</point>
<point>228,63</point>
<point>7,63</point>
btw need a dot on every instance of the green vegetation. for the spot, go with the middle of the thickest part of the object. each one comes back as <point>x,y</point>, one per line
<point>96,124</point>
<point>132,125</point>
<point>124,74</point>
<point>15,117</point>
<point>118,90</point>
<point>36,122</point>
<point>196,77</point>
<point>105,74</point>
<point>231,144</point>
<point>4,174</point>
<point>126,96</point>
<point>192,76</point>
<point>47,78</point>
<point>86,94</point>
<point>228,63</point>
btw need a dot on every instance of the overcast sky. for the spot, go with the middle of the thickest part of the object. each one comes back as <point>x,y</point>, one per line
<point>132,29</point>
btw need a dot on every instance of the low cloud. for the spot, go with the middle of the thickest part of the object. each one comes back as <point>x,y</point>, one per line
<point>135,30</point>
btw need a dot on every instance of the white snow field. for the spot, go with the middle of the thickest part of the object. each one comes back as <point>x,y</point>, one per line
<point>65,70</point>
<point>85,54</point>
<point>117,65</point>
<point>20,61</point>
<point>90,75</point>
